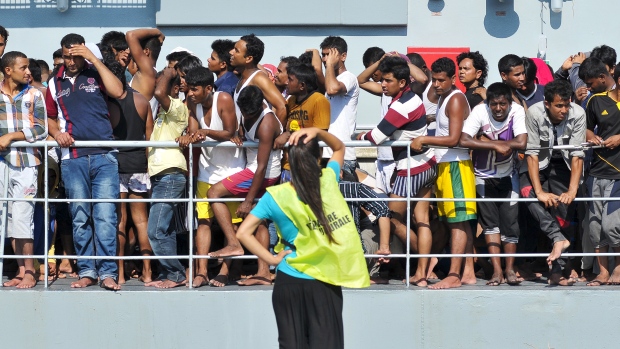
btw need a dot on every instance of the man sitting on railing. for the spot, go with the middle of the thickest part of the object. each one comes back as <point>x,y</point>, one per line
<point>501,125</point>
<point>23,117</point>
<point>77,110</point>
<point>553,175</point>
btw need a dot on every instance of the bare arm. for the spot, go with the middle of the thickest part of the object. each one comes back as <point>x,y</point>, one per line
<point>334,143</point>
<point>272,95</point>
<point>549,199</point>
<point>245,234</point>
<point>417,74</point>
<point>318,68</point>
<point>144,81</point>
<point>364,79</point>
<point>113,86</point>
<point>229,120</point>
<point>162,88</point>
<point>457,111</point>
<point>332,85</point>
<point>576,169</point>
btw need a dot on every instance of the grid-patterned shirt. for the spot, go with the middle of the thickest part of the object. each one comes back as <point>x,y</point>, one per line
<point>24,113</point>
<point>355,190</point>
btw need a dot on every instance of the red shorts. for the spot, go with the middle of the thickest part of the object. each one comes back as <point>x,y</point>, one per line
<point>239,184</point>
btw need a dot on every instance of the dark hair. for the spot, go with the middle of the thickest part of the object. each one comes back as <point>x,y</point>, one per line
<point>306,178</point>
<point>334,42</point>
<point>617,73</point>
<point>508,62</point>
<point>222,48</point>
<point>114,39</point>
<point>118,70</point>
<point>57,54</point>
<point>444,65</point>
<point>290,61</point>
<point>188,63</point>
<point>199,76</point>
<point>4,33</point>
<point>253,47</point>
<point>530,69</point>
<point>153,45</point>
<point>592,67</point>
<point>71,39</point>
<point>558,87</point>
<point>176,81</point>
<point>304,73</point>
<point>395,65</point>
<point>417,60</point>
<point>9,58</point>
<point>478,62</point>
<point>306,57</point>
<point>606,54</point>
<point>177,56</point>
<point>372,55</point>
<point>35,69</point>
<point>43,64</point>
<point>250,101</point>
<point>497,90</point>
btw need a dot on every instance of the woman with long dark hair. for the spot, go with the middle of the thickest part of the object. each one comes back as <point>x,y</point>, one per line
<point>320,248</point>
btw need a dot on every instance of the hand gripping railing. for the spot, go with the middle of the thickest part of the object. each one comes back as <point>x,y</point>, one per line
<point>191,200</point>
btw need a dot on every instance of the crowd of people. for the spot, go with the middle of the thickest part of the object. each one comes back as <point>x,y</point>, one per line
<point>538,133</point>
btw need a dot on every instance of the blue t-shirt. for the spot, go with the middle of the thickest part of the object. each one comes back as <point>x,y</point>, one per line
<point>267,208</point>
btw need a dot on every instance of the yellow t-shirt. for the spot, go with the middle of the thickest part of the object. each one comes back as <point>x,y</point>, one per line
<point>168,126</point>
<point>312,112</point>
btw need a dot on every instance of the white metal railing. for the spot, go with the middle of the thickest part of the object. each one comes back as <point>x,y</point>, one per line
<point>191,200</point>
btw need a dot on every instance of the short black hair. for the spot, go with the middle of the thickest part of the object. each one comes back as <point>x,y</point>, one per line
<point>199,76</point>
<point>304,73</point>
<point>250,101</point>
<point>617,73</point>
<point>560,88</point>
<point>188,63</point>
<point>57,54</point>
<point>4,33</point>
<point>289,60</point>
<point>372,55</point>
<point>530,69</point>
<point>118,70</point>
<point>497,90</point>
<point>508,62</point>
<point>114,39</point>
<point>222,47</point>
<point>306,57</point>
<point>478,62</point>
<point>592,67</point>
<point>444,65</point>
<point>153,45</point>
<point>71,39</point>
<point>335,42</point>
<point>9,58</point>
<point>35,69</point>
<point>397,66</point>
<point>417,60</point>
<point>176,81</point>
<point>177,56</point>
<point>43,64</point>
<point>253,47</point>
<point>606,54</point>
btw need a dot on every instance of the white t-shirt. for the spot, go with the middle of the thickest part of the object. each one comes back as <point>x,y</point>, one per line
<point>385,153</point>
<point>343,113</point>
<point>487,163</point>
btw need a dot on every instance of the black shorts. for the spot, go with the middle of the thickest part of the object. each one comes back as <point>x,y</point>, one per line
<point>499,217</point>
<point>308,313</point>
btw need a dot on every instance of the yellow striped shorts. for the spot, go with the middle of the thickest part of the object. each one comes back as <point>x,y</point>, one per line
<point>456,180</point>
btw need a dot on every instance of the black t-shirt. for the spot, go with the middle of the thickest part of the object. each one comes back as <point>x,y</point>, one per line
<point>472,99</point>
<point>604,112</point>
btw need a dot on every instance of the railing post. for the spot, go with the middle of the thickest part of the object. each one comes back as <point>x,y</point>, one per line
<point>190,215</point>
<point>408,243</point>
<point>46,214</point>
<point>5,215</point>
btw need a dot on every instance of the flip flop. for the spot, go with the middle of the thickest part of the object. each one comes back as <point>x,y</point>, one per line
<point>219,278</point>
<point>596,282</point>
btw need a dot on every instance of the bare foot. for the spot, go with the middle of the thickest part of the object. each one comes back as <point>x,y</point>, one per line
<point>557,279</point>
<point>511,278</point>
<point>558,248</point>
<point>469,279</point>
<point>597,282</point>
<point>450,281</point>
<point>146,278</point>
<point>13,282</point>
<point>153,283</point>
<point>384,251</point>
<point>199,281</point>
<point>614,279</point>
<point>379,281</point>
<point>228,251</point>
<point>417,280</point>
<point>110,284</point>
<point>527,275</point>
<point>28,281</point>
<point>586,275</point>
<point>121,279</point>
<point>220,280</point>
<point>432,276</point>
<point>83,282</point>
<point>72,275</point>
<point>255,280</point>
<point>171,284</point>
<point>496,280</point>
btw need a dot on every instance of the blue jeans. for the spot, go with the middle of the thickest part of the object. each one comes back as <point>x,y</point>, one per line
<point>162,234</point>
<point>94,224</point>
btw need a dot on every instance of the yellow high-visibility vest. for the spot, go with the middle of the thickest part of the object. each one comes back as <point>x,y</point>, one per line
<point>341,263</point>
